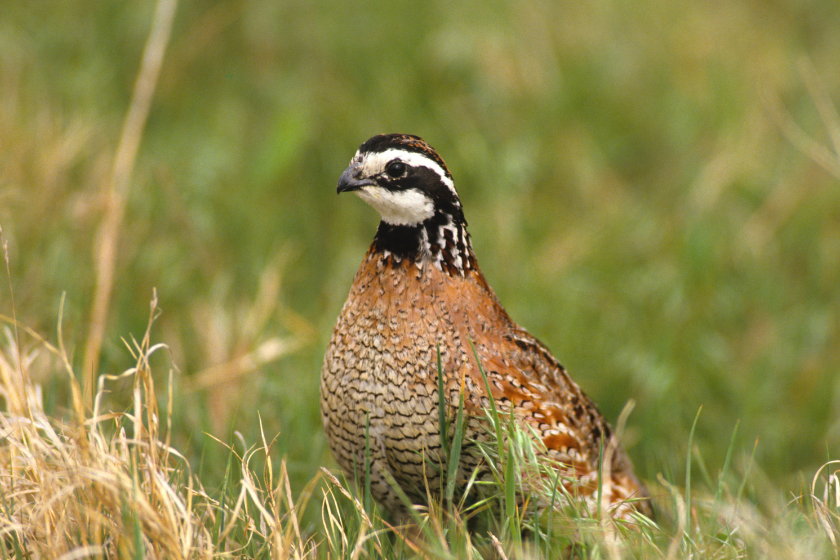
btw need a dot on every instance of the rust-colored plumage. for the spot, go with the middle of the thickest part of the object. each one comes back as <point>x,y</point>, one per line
<point>418,289</point>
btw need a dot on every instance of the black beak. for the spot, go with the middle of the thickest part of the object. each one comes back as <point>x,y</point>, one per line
<point>350,180</point>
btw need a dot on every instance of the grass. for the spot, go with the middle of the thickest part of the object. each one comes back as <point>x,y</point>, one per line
<point>112,485</point>
<point>651,190</point>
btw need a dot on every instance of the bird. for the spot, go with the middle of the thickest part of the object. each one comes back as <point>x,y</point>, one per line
<point>419,298</point>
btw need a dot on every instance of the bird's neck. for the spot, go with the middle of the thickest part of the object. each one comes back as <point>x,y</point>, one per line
<point>441,241</point>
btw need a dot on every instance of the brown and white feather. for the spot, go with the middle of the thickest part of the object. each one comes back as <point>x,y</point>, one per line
<point>419,288</point>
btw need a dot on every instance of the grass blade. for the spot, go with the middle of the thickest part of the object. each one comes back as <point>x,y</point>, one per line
<point>688,471</point>
<point>442,416</point>
<point>455,455</point>
<point>494,413</point>
<point>722,481</point>
<point>367,500</point>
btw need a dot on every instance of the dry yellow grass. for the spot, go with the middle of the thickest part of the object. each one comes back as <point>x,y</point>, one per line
<point>105,484</point>
<point>108,484</point>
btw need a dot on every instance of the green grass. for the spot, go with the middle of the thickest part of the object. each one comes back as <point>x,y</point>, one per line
<point>652,190</point>
<point>111,485</point>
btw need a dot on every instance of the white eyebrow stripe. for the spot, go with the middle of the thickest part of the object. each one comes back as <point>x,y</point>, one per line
<point>374,163</point>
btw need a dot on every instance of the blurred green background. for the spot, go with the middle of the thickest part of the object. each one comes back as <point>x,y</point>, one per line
<point>652,189</point>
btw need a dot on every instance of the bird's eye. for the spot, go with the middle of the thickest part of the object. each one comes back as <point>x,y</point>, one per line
<point>395,169</point>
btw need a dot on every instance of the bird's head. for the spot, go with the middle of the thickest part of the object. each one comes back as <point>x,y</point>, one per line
<point>404,179</point>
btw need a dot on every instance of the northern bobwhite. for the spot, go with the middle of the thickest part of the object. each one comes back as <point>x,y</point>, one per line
<point>418,289</point>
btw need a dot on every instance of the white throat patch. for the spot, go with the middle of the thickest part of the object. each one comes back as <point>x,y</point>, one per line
<point>398,208</point>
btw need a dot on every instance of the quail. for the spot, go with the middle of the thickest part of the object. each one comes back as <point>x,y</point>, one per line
<point>419,295</point>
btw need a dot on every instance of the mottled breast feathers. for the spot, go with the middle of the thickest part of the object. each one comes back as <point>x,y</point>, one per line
<point>419,288</point>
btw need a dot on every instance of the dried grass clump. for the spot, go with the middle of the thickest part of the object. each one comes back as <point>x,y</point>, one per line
<point>108,484</point>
